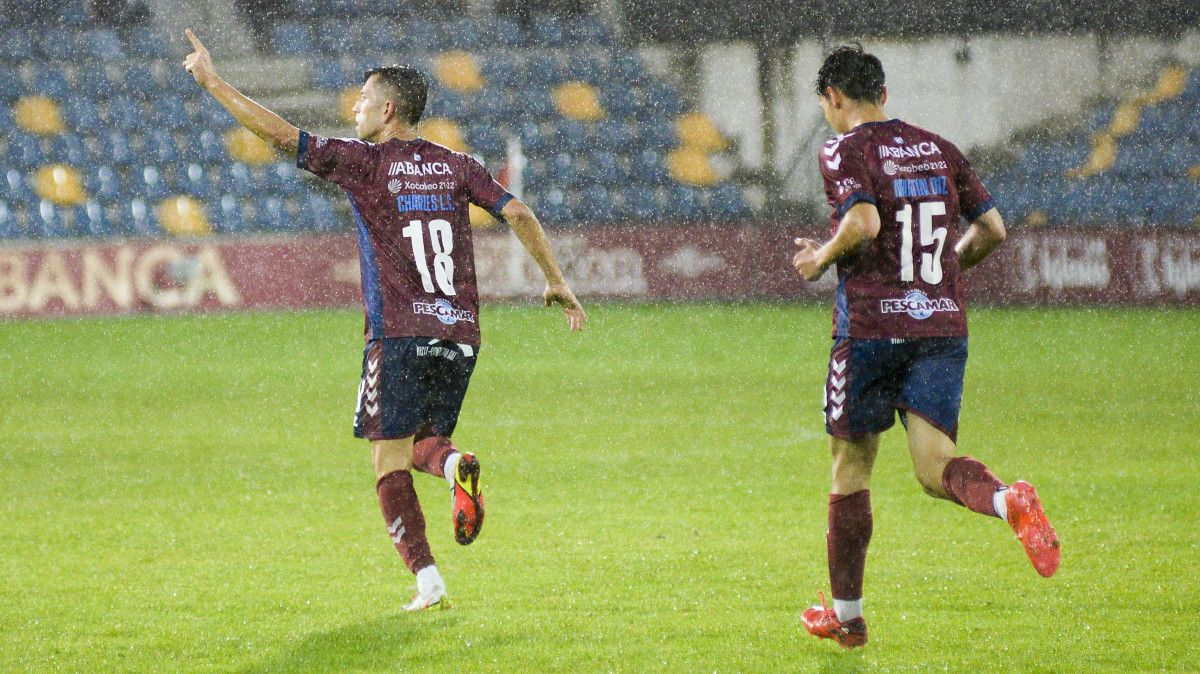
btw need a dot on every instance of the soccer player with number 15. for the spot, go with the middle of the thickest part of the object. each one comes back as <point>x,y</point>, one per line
<point>900,327</point>
<point>410,200</point>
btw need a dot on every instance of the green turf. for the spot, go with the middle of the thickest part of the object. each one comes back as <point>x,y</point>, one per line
<point>184,494</point>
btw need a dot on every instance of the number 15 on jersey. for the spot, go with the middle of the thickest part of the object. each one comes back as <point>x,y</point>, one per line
<point>931,263</point>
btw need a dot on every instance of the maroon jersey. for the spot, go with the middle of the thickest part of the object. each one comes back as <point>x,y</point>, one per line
<point>410,203</point>
<point>906,282</point>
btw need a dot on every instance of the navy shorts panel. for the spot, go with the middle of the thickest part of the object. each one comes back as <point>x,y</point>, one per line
<point>412,386</point>
<point>870,379</point>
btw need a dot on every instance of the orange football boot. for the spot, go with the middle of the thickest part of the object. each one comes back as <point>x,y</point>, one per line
<point>468,500</point>
<point>822,622</point>
<point>1029,523</point>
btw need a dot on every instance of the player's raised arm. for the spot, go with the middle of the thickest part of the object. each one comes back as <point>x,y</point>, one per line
<point>259,120</point>
<point>859,224</point>
<point>527,228</point>
<point>985,234</point>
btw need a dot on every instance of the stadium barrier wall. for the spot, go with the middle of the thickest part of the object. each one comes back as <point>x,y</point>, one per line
<point>1035,267</point>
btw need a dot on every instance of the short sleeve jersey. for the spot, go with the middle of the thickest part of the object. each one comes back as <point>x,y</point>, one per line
<point>410,203</point>
<point>906,282</point>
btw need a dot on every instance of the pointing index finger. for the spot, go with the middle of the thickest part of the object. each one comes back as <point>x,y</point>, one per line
<point>194,40</point>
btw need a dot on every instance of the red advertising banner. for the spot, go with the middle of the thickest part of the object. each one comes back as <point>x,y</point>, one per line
<point>1043,267</point>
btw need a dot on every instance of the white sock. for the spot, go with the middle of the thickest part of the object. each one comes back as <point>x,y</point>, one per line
<point>451,467</point>
<point>999,504</point>
<point>429,580</point>
<point>847,609</point>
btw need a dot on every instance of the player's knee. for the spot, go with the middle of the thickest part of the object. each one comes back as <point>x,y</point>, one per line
<point>388,456</point>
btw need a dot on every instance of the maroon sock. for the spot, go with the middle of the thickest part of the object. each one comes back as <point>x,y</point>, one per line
<point>405,522</point>
<point>971,484</point>
<point>429,455</point>
<point>846,542</point>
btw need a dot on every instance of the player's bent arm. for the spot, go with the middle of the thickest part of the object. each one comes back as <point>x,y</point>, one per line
<point>985,235</point>
<point>858,225</point>
<point>259,120</point>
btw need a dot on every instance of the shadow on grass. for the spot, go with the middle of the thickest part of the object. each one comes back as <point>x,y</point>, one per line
<point>841,661</point>
<point>390,643</point>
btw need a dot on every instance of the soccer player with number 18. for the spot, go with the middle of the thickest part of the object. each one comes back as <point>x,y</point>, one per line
<point>900,328</point>
<point>410,200</point>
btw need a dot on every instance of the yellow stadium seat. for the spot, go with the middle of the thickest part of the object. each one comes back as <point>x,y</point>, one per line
<point>444,132</point>
<point>698,131</point>
<point>457,70</point>
<point>692,167</point>
<point>1037,219</point>
<point>60,184</point>
<point>346,101</point>
<point>248,148</point>
<point>1171,83</point>
<point>40,115</point>
<point>578,100</point>
<point>1102,158</point>
<point>1125,119</point>
<point>183,216</point>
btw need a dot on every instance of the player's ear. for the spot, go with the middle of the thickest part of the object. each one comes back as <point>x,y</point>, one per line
<point>883,96</point>
<point>389,111</point>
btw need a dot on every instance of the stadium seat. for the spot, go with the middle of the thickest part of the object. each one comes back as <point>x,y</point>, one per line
<point>606,169</point>
<point>656,134</point>
<point>146,44</point>
<point>139,219</point>
<point>595,204</point>
<point>317,213</point>
<point>151,183</point>
<point>500,69</point>
<point>50,82</point>
<point>697,130</point>
<point>116,148</point>
<point>236,179</point>
<point>183,216</point>
<point>25,150</point>
<point>16,45</point>
<point>382,35</point>
<point>94,220</point>
<point>102,43</point>
<point>493,105</point>
<point>123,113</point>
<point>11,87</point>
<point>421,35</point>
<point>57,44</point>
<point>68,148</point>
<point>691,167</point>
<point>248,148</point>
<point>457,70</point>
<point>283,178</point>
<point>10,224</point>
<point>563,170</point>
<point>104,184</point>
<point>47,221</point>
<point>208,146</point>
<point>228,215</point>
<point>15,188</point>
<point>91,80</point>
<point>137,81</point>
<point>168,111</point>
<point>727,201</point>
<point>487,140</point>
<point>38,115</point>
<point>587,66</point>
<point>589,29</point>
<point>544,69</point>
<point>327,74</point>
<point>571,136</point>
<point>336,37</point>
<point>463,33</point>
<point>649,166</point>
<point>578,100</point>
<point>8,125</point>
<point>160,147</point>
<point>272,215</point>
<point>504,32</point>
<point>293,39</point>
<point>611,134</point>
<point>444,131</point>
<point>547,31</point>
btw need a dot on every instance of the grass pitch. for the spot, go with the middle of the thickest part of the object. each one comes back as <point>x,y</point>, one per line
<point>184,494</point>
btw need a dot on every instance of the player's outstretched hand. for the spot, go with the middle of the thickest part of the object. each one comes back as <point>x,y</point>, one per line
<point>199,63</point>
<point>561,295</point>
<point>805,261</point>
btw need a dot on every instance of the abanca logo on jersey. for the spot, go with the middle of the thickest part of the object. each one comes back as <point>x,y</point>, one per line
<point>444,311</point>
<point>407,168</point>
<point>917,305</point>
<point>926,149</point>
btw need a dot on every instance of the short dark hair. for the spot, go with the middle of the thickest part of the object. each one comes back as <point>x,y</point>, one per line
<point>852,71</point>
<point>408,89</point>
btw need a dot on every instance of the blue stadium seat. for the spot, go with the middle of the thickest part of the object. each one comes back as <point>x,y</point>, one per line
<point>535,138</point>
<point>168,111</point>
<point>138,81</point>
<point>493,105</point>
<point>7,123</point>
<point>139,219</point>
<point>237,179</point>
<point>421,35</point>
<point>92,219</point>
<point>73,12</point>
<point>639,202</point>
<point>159,146</point>
<point>309,8</point>
<point>102,43</point>
<point>336,37</point>
<point>606,169</point>
<point>194,180</point>
<point>571,136</point>
<point>15,188</point>
<point>272,215</point>
<point>547,31</point>
<point>151,183</point>
<point>504,32</point>
<point>180,81</point>
<point>328,74</point>
<point>25,150</point>
<point>595,204</point>
<point>587,67</point>
<point>687,202</point>
<point>544,68</point>
<point>227,215</point>
<point>11,87</point>
<point>47,221</point>
<point>649,166</point>
<point>68,148</point>
<point>618,101</point>
<point>563,171</point>
<point>1191,90</point>
<point>662,99</point>
<point>208,113</point>
<point>726,201</point>
<point>611,134</point>
<point>627,68</point>
<point>293,39</point>
<point>589,29</point>
<point>552,206</point>
<point>10,223</point>
<point>317,213</point>
<point>208,146</point>
<point>487,141</point>
<point>103,183</point>
<point>381,35</point>
<point>146,44</point>
<point>51,82</point>
<point>124,113</point>
<point>16,45</point>
<point>282,178</point>
<point>463,33</point>
<point>92,80</point>
<point>116,148</point>
<point>535,103</point>
<point>447,103</point>
<point>57,44</point>
<point>500,70</point>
